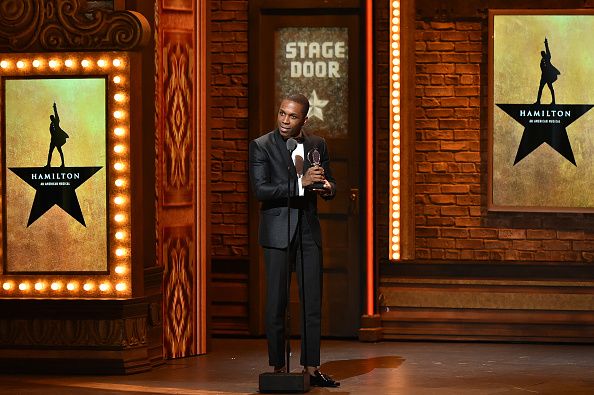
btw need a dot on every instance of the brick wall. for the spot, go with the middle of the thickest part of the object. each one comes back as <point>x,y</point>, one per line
<point>229,127</point>
<point>450,162</point>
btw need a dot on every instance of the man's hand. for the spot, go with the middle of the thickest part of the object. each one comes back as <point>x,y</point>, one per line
<point>312,175</point>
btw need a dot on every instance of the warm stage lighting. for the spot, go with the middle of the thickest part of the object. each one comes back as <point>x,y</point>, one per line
<point>395,129</point>
<point>20,64</point>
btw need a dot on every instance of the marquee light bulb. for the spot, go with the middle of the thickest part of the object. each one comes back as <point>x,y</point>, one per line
<point>4,64</point>
<point>71,286</point>
<point>88,287</point>
<point>117,79</point>
<point>7,286</point>
<point>101,63</point>
<point>118,200</point>
<point>36,63</point>
<point>118,114</point>
<point>119,182</point>
<point>104,287</point>
<point>20,64</point>
<point>118,166</point>
<point>120,252</point>
<point>69,63</point>
<point>120,269</point>
<point>53,63</point>
<point>118,97</point>
<point>119,218</point>
<point>56,286</point>
<point>39,286</point>
<point>118,149</point>
<point>85,63</point>
<point>23,286</point>
<point>120,287</point>
<point>119,131</point>
<point>120,235</point>
<point>117,62</point>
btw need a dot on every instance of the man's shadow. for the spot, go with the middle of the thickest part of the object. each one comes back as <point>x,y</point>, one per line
<point>347,368</point>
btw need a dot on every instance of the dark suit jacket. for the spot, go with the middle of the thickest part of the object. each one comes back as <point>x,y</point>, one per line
<point>268,162</point>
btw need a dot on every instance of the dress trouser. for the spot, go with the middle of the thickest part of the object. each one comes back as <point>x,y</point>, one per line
<point>304,249</point>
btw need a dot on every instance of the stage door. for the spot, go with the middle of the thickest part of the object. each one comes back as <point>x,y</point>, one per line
<point>316,52</point>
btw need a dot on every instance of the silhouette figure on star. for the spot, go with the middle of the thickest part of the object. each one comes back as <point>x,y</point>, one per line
<point>59,137</point>
<point>548,74</point>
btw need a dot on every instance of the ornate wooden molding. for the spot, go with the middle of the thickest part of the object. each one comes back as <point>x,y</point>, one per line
<point>67,25</point>
<point>120,333</point>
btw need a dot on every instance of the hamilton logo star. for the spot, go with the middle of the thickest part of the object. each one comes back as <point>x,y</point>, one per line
<point>55,186</point>
<point>545,124</point>
<point>316,105</point>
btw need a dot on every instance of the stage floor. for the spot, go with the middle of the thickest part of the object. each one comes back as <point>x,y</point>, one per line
<point>386,368</point>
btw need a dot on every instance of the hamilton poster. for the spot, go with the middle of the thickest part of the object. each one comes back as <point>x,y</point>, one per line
<point>542,132</point>
<point>54,142</point>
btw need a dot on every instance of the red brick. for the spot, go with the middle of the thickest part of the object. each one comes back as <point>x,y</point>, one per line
<point>452,123</point>
<point>453,36</point>
<point>512,234</point>
<point>454,58</point>
<point>442,199</point>
<point>440,46</point>
<point>455,233</point>
<point>454,211</point>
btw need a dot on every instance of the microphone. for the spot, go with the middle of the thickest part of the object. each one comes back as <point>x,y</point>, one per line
<point>291,144</point>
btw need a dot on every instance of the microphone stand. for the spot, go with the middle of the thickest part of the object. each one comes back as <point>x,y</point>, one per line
<point>287,382</point>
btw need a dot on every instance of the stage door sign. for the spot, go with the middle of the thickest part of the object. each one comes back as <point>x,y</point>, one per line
<point>55,177</point>
<point>314,61</point>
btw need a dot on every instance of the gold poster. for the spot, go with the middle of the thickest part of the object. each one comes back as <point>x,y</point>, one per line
<point>54,144</point>
<point>541,122</point>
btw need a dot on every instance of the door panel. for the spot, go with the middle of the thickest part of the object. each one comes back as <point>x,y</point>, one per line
<point>303,39</point>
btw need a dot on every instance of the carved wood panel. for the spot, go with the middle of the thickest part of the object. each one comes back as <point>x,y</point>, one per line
<point>178,291</point>
<point>181,163</point>
<point>177,131</point>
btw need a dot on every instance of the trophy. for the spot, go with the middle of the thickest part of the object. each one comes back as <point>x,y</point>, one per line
<point>313,156</point>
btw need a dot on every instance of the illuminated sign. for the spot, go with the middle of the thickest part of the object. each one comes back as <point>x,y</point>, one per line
<point>66,185</point>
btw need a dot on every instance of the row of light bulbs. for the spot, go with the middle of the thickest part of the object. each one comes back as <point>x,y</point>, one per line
<point>120,166</point>
<point>395,130</point>
<point>115,67</point>
<point>57,63</point>
<point>42,286</point>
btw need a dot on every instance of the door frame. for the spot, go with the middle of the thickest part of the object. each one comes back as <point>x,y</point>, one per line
<point>261,116</point>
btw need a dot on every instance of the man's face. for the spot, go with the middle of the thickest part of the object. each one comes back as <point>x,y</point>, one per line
<point>290,119</point>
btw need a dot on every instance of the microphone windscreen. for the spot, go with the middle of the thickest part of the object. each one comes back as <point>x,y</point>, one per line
<point>291,144</point>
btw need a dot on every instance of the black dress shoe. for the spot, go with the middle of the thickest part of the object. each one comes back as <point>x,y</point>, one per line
<point>319,379</point>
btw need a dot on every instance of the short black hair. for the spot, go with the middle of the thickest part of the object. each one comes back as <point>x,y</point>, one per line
<point>301,99</point>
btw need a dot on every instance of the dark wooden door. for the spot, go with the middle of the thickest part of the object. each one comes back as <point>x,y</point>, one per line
<point>309,50</point>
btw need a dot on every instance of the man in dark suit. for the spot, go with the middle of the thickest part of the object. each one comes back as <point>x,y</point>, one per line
<point>270,161</point>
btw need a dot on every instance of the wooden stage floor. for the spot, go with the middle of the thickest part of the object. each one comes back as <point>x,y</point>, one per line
<point>411,368</point>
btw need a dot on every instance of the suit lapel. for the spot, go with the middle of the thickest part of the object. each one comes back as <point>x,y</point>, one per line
<point>281,146</point>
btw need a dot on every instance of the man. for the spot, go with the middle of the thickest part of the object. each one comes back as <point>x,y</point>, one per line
<point>269,160</point>
<point>548,73</point>
<point>58,135</point>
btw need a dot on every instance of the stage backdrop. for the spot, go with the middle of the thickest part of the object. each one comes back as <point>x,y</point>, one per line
<point>541,145</point>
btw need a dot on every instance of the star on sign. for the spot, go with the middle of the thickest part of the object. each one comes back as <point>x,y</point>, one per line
<point>315,106</point>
